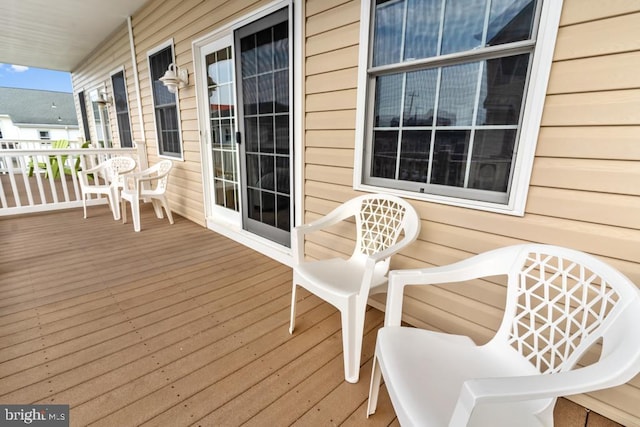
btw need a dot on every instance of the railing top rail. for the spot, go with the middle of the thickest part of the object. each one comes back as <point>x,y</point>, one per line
<point>69,150</point>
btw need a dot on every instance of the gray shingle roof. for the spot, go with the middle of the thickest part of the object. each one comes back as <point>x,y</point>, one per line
<point>30,106</point>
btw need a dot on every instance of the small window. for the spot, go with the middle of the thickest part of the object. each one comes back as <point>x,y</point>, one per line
<point>44,134</point>
<point>446,96</point>
<point>83,115</point>
<point>122,109</point>
<point>165,105</point>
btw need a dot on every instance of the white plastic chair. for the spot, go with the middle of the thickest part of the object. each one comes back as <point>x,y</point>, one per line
<point>347,283</point>
<point>560,302</point>
<point>149,184</point>
<point>105,178</point>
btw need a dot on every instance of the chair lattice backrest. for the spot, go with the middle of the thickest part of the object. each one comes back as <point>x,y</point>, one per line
<point>380,222</point>
<point>119,165</point>
<point>163,169</point>
<point>159,174</point>
<point>560,305</point>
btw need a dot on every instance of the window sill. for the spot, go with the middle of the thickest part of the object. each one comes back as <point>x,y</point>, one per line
<point>444,200</point>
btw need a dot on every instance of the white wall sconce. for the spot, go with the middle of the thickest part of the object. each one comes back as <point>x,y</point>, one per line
<point>103,98</point>
<point>174,78</point>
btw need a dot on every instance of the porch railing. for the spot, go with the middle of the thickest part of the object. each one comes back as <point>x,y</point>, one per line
<point>29,181</point>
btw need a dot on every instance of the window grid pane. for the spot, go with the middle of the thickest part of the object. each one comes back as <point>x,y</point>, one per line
<point>452,123</point>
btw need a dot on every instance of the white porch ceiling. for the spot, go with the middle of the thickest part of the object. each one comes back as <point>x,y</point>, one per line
<point>58,34</point>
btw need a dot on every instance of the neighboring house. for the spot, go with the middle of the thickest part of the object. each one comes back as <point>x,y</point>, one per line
<point>518,122</point>
<point>28,114</point>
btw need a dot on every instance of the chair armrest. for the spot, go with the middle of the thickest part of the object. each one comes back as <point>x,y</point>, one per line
<point>337,215</point>
<point>94,169</point>
<point>491,263</point>
<point>144,178</point>
<point>83,174</point>
<point>533,387</point>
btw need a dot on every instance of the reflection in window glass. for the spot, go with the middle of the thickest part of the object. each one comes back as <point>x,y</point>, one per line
<point>491,159</point>
<point>421,35</point>
<point>449,158</point>
<point>502,90</point>
<point>457,94</point>
<point>420,98</point>
<point>385,152</point>
<point>510,21</point>
<point>388,100</point>
<point>387,35</point>
<point>414,155</point>
<point>463,22</point>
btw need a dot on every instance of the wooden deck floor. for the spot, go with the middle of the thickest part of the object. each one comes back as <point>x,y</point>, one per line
<point>171,326</point>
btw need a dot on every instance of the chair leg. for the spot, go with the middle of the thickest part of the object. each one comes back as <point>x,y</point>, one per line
<point>135,213</point>
<point>160,203</point>
<point>352,330</point>
<point>374,387</point>
<point>114,205</point>
<point>292,323</point>
<point>84,205</point>
<point>157,208</point>
<point>167,209</point>
<point>123,210</point>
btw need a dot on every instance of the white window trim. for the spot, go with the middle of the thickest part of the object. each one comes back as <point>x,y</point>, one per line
<point>158,48</point>
<point>530,127</point>
<point>126,95</point>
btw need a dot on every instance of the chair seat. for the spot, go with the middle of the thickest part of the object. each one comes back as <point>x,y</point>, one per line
<point>337,276</point>
<point>447,360</point>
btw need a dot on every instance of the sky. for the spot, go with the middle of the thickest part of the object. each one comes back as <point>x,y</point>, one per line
<point>22,77</point>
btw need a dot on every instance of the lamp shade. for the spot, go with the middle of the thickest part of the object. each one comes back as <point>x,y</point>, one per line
<point>174,77</point>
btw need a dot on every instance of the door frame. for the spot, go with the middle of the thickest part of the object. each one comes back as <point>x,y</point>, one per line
<point>213,222</point>
<point>211,209</point>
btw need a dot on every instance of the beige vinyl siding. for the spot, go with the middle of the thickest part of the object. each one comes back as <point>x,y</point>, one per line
<point>583,192</point>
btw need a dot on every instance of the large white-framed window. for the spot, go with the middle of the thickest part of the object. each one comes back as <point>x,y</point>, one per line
<point>121,103</point>
<point>450,98</point>
<point>165,104</point>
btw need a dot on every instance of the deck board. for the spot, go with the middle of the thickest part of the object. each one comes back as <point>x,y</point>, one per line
<point>175,325</point>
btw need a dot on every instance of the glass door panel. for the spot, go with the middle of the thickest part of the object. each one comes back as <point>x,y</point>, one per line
<point>263,75</point>
<point>222,123</point>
